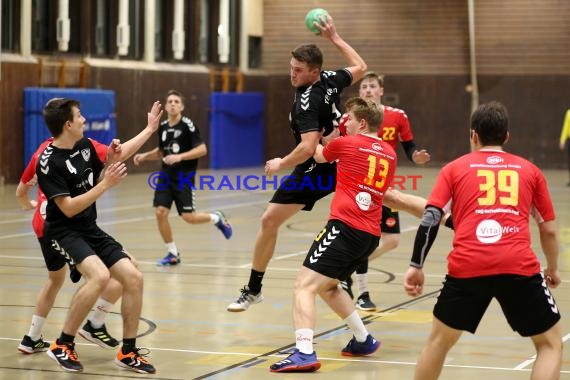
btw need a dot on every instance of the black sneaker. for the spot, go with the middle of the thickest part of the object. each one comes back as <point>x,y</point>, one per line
<point>99,336</point>
<point>347,287</point>
<point>135,360</point>
<point>363,302</point>
<point>65,356</point>
<point>29,346</point>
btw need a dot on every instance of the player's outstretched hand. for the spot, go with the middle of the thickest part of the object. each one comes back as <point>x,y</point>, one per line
<point>414,281</point>
<point>272,166</point>
<point>115,173</point>
<point>420,156</point>
<point>326,26</point>
<point>114,150</point>
<point>154,116</point>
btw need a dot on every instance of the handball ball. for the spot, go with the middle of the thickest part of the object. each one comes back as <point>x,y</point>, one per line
<point>313,16</point>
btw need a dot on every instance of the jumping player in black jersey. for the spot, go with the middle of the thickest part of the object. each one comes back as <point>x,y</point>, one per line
<point>70,173</point>
<point>313,115</point>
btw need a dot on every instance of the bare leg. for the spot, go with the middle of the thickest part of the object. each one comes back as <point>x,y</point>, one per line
<point>196,217</point>
<point>308,284</point>
<point>96,277</point>
<point>548,354</point>
<point>132,281</point>
<point>46,297</point>
<point>338,300</point>
<point>275,215</point>
<point>113,291</point>
<point>440,341</point>
<point>388,242</point>
<point>163,224</point>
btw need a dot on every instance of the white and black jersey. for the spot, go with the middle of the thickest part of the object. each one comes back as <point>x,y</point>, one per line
<point>317,107</point>
<point>69,172</point>
<point>177,139</point>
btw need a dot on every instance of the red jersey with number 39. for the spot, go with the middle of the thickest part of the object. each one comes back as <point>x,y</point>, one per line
<point>365,168</point>
<point>395,127</point>
<point>493,194</point>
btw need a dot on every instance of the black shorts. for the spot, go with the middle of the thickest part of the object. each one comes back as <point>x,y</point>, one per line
<point>75,246</point>
<point>390,223</point>
<point>54,261</point>
<point>183,195</point>
<point>526,301</point>
<point>306,187</point>
<point>338,249</point>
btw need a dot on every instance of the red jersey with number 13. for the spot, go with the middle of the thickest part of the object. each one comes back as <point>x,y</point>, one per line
<point>365,168</point>
<point>494,194</point>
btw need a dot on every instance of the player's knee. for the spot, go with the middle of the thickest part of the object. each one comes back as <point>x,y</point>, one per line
<point>189,217</point>
<point>269,221</point>
<point>162,212</point>
<point>134,280</point>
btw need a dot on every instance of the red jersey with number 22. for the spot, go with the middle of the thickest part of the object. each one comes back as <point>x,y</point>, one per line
<point>493,194</point>
<point>395,127</point>
<point>365,168</point>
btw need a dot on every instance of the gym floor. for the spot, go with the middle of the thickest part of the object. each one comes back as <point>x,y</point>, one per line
<point>184,321</point>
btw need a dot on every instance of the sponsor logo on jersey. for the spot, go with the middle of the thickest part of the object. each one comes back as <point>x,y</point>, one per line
<point>363,200</point>
<point>86,153</point>
<point>494,160</point>
<point>490,231</point>
<point>377,146</point>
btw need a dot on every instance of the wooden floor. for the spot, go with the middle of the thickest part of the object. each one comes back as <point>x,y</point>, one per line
<point>185,323</point>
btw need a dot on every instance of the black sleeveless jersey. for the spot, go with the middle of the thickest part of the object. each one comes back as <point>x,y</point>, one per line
<point>317,107</point>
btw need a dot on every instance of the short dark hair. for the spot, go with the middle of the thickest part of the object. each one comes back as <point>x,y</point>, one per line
<point>491,123</point>
<point>310,54</point>
<point>372,75</point>
<point>175,93</point>
<point>57,112</point>
<point>368,110</point>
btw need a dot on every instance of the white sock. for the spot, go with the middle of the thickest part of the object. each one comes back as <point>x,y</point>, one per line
<point>357,326</point>
<point>362,281</point>
<point>99,313</point>
<point>304,340</point>
<point>172,248</point>
<point>36,327</point>
<point>214,218</point>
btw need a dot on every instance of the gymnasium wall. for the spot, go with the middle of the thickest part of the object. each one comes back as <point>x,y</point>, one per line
<point>523,60</point>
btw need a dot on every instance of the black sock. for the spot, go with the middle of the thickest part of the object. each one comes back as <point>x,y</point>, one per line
<point>449,222</point>
<point>362,267</point>
<point>255,279</point>
<point>65,339</point>
<point>129,345</point>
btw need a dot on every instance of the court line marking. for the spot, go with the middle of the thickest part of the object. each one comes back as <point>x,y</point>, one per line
<point>255,356</point>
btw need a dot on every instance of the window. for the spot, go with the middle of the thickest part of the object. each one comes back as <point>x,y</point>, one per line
<point>10,25</point>
<point>43,26</point>
<point>101,27</point>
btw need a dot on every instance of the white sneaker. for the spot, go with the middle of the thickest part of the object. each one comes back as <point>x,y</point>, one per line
<point>246,299</point>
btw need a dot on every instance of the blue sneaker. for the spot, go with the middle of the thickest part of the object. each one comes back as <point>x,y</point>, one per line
<point>297,362</point>
<point>355,348</point>
<point>223,224</point>
<point>169,259</point>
